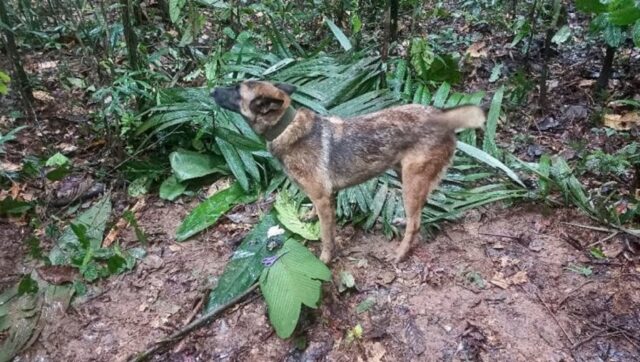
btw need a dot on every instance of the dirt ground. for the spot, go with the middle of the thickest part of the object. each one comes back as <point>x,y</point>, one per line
<point>494,286</point>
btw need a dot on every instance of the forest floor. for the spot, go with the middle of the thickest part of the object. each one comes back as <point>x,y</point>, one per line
<point>503,283</point>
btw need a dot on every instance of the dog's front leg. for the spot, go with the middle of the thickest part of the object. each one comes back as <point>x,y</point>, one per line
<point>326,214</point>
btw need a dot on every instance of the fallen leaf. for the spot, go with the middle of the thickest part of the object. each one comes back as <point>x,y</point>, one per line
<point>519,278</point>
<point>387,277</point>
<point>499,281</point>
<point>622,123</point>
<point>586,83</point>
<point>57,274</point>
<point>42,96</point>
<point>477,50</point>
<point>10,166</point>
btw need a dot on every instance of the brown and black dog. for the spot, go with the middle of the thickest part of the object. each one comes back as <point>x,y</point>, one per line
<point>326,154</point>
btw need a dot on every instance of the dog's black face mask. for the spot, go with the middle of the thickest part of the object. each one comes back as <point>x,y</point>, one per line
<point>228,97</point>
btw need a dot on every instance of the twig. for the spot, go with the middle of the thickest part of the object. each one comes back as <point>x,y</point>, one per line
<point>595,335</point>
<point>571,292</point>
<point>553,316</point>
<point>595,228</point>
<point>163,343</point>
<point>502,236</point>
<point>612,235</point>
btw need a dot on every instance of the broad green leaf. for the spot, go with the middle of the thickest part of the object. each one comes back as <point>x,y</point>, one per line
<point>210,210</point>
<point>93,221</point>
<point>489,142</point>
<point>287,214</point>
<point>245,265</point>
<point>625,13</point>
<point>170,188</point>
<point>489,160</point>
<point>613,36</point>
<point>342,39</point>
<point>188,165</point>
<point>293,279</point>
<point>175,7</point>
<point>444,69</point>
<point>635,34</point>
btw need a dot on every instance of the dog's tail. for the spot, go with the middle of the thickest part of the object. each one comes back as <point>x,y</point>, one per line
<point>462,117</point>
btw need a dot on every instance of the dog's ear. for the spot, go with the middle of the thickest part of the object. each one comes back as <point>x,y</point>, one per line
<point>264,105</point>
<point>287,88</point>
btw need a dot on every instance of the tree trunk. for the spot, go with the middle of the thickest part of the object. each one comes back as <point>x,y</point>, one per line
<point>607,68</point>
<point>393,8</point>
<point>19,74</point>
<point>546,53</point>
<point>130,35</point>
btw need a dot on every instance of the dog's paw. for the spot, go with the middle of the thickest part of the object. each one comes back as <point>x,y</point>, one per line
<point>326,257</point>
<point>400,255</point>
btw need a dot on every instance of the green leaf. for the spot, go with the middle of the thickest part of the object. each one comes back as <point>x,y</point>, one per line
<point>496,71</point>
<point>444,69</point>
<point>9,206</point>
<point>342,39</point>
<point>489,160</point>
<point>624,12</point>
<point>210,210</point>
<point>131,219</point>
<point>188,165</point>
<point>591,6</point>
<point>376,206</point>
<point>27,285</point>
<point>294,279</point>
<point>365,305</point>
<point>489,142</point>
<point>57,160</point>
<point>562,35</point>
<point>441,95</point>
<point>287,213</point>
<point>613,35</point>
<point>139,186</point>
<point>635,34</point>
<point>93,221</point>
<point>245,265</point>
<point>170,188</point>
<point>175,6</point>
<point>4,85</point>
<point>234,162</point>
<point>347,281</point>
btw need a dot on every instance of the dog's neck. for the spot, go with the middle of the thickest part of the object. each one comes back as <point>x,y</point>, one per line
<point>273,132</point>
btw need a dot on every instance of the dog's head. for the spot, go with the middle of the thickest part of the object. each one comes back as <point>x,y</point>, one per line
<point>262,104</point>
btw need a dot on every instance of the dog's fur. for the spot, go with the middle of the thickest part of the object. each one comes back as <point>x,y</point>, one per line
<point>327,154</point>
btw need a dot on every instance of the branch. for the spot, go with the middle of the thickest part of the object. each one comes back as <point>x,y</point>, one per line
<point>163,343</point>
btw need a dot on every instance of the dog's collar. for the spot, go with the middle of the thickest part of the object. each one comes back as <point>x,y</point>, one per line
<point>284,121</point>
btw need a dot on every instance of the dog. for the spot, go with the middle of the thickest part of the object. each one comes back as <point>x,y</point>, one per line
<point>324,154</point>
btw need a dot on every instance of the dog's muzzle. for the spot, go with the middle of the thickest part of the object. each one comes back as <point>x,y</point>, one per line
<point>227,97</point>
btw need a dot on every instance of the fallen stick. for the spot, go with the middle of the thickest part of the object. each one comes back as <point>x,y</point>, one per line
<point>163,343</point>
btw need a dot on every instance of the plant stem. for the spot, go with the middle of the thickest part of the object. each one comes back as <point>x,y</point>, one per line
<point>607,67</point>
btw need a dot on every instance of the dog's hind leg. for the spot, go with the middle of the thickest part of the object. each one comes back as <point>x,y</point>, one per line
<point>421,172</point>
